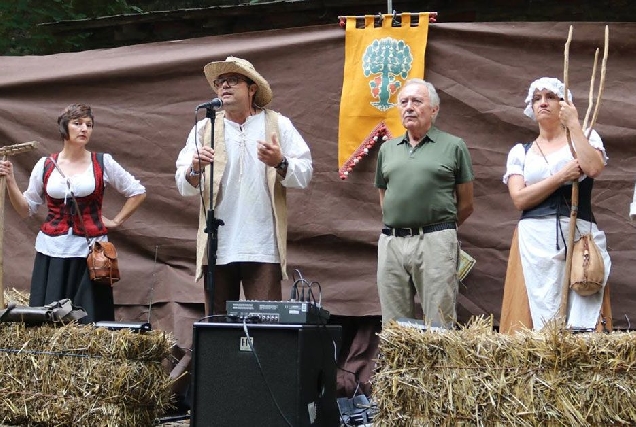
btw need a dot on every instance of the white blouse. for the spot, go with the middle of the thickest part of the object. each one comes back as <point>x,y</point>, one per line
<point>536,168</point>
<point>82,184</point>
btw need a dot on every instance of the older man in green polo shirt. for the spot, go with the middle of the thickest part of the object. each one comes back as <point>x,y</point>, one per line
<point>425,180</point>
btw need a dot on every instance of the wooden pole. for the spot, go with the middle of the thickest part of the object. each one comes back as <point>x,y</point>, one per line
<point>565,288</point>
<point>4,153</point>
<point>3,190</point>
<point>590,97</point>
<point>563,307</point>
<point>601,87</point>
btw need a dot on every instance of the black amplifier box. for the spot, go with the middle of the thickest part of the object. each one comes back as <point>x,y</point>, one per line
<point>284,312</point>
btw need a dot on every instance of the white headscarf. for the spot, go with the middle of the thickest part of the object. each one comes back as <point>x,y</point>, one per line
<point>552,84</point>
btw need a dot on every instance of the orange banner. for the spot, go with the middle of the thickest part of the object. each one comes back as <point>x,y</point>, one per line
<point>377,62</point>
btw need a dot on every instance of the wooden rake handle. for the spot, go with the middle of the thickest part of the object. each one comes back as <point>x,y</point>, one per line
<point>7,150</point>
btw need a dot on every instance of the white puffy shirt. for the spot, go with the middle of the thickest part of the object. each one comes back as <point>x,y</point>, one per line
<point>83,184</point>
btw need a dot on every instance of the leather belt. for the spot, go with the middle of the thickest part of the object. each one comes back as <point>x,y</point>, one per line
<point>405,232</point>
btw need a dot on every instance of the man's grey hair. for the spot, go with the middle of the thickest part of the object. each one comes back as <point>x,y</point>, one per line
<point>432,92</point>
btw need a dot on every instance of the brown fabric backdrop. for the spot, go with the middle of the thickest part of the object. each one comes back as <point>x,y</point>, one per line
<point>144,98</point>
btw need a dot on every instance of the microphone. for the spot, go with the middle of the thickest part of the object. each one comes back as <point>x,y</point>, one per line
<point>215,104</point>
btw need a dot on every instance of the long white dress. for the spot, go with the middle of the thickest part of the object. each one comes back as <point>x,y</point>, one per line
<point>542,245</point>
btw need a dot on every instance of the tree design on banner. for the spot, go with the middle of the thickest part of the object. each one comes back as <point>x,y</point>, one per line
<point>378,59</point>
<point>386,59</point>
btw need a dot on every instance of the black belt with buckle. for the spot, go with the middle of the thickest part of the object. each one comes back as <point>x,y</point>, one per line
<point>405,232</point>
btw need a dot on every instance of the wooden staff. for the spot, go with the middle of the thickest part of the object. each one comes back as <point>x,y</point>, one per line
<point>601,83</point>
<point>590,97</point>
<point>8,150</point>
<point>563,307</point>
<point>565,288</point>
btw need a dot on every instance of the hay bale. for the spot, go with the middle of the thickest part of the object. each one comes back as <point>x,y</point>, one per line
<point>16,296</point>
<point>475,376</point>
<point>81,375</point>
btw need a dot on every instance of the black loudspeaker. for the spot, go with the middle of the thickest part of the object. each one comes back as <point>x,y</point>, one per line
<point>295,384</point>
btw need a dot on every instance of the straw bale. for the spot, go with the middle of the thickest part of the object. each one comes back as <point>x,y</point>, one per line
<point>81,375</point>
<point>16,296</point>
<point>474,376</point>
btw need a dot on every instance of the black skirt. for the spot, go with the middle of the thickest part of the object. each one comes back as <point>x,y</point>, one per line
<point>55,279</point>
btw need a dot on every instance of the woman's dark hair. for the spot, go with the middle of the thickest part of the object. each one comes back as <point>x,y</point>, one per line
<point>72,112</point>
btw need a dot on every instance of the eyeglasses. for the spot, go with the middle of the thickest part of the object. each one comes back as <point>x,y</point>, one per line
<point>231,81</point>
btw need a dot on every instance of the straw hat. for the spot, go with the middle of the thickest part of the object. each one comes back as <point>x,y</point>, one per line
<point>240,66</point>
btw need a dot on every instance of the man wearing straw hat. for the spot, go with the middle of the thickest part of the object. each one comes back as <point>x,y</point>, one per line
<point>257,154</point>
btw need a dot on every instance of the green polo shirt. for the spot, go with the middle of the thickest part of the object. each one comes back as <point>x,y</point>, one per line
<point>420,181</point>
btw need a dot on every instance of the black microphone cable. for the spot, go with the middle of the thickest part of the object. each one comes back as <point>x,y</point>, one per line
<point>260,370</point>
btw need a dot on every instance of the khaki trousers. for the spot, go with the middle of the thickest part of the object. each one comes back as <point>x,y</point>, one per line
<point>425,264</point>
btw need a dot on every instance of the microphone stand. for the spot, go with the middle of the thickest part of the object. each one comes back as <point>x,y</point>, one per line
<point>212,224</point>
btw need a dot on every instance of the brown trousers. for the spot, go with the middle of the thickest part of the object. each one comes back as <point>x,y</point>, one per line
<point>261,282</point>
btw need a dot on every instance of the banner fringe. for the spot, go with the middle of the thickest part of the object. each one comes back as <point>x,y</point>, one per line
<point>380,132</point>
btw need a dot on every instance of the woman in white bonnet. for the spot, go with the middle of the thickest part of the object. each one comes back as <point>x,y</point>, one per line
<point>539,175</point>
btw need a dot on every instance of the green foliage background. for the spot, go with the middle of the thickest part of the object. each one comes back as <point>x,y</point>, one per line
<point>21,34</point>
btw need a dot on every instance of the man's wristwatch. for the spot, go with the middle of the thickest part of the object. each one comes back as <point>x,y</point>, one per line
<point>283,164</point>
<point>192,172</point>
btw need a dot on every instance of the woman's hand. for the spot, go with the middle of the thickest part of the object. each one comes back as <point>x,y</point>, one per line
<point>18,201</point>
<point>591,159</point>
<point>109,223</point>
<point>6,169</point>
<point>131,205</point>
<point>571,171</point>
<point>569,116</point>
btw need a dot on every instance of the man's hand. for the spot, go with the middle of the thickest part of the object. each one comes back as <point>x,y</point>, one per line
<point>202,158</point>
<point>269,152</point>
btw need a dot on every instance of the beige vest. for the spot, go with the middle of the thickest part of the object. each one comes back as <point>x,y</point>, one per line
<point>277,192</point>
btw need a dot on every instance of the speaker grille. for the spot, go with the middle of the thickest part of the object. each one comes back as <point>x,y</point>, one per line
<point>297,364</point>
